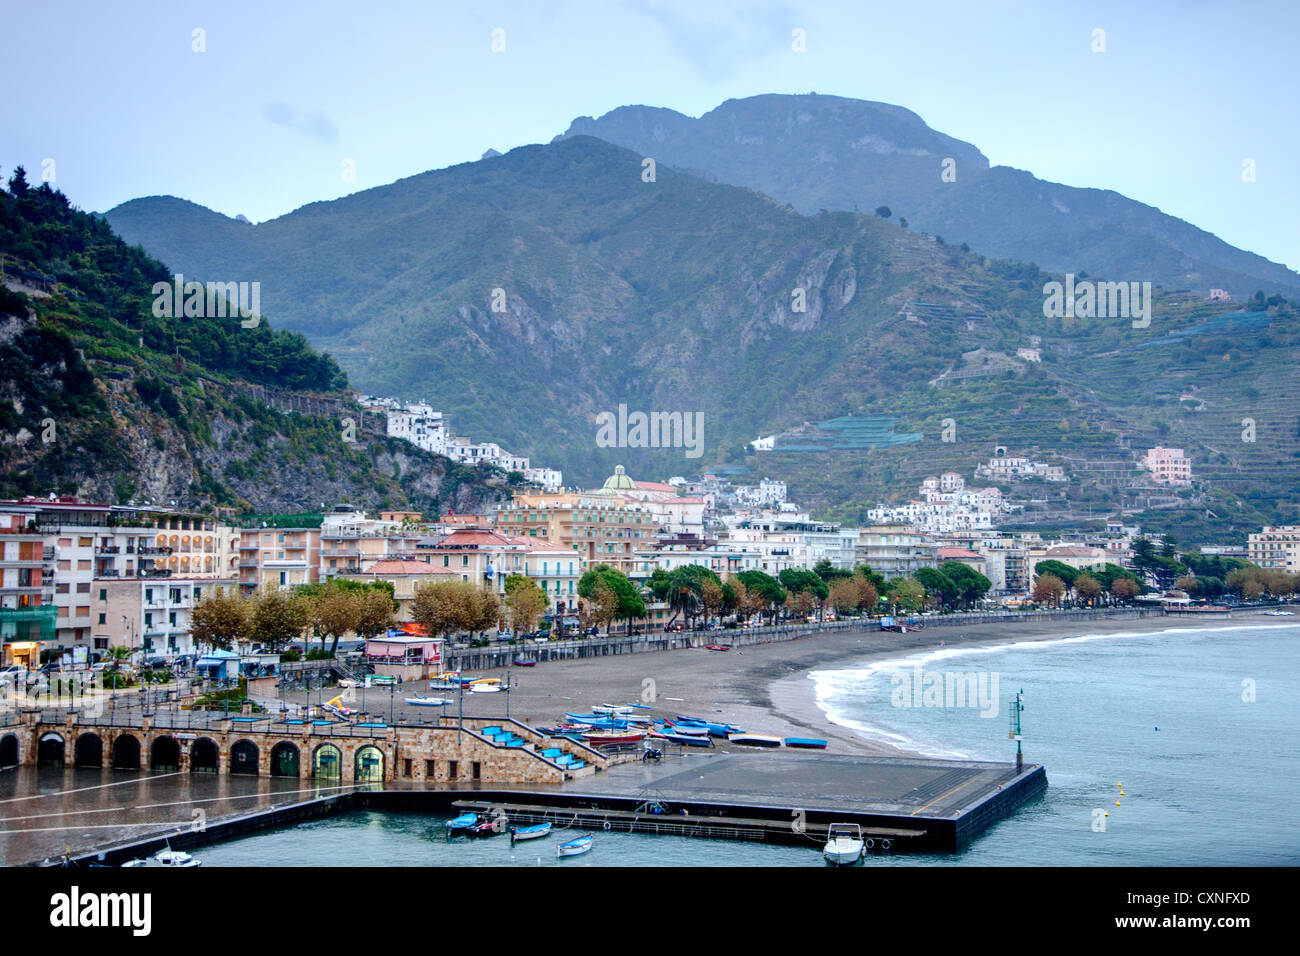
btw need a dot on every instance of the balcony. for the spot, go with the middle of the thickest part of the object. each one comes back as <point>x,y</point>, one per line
<point>153,573</point>
<point>108,549</point>
<point>147,552</point>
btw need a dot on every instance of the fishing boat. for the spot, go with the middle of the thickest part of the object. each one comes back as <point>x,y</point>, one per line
<point>461,823</point>
<point>602,738</point>
<point>598,720</point>
<point>691,730</point>
<point>754,740</point>
<point>574,847</point>
<point>535,832</point>
<point>686,740</point>
<point>844,845</point>
<point>420,701</point>
<point>714,730</point>
<point>612,710</point>
<point>808,743</point>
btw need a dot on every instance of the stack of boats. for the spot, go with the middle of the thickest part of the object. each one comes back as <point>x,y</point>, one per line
<point>471,825</point>
<point>621,723</point>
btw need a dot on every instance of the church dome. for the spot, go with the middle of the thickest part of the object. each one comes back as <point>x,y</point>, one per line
<point>619,481</point>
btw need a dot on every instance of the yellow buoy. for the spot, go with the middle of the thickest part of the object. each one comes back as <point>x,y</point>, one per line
<point>1105,814</point>
<point>1117,803</point>
<point>1120,784</point>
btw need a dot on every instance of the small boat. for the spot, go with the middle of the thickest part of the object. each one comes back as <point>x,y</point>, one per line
<point>691,730</point>
<point>462,822</point>
<point>754,740</point>
<point>523,662</point>
<point>844,845</point>
<point>686,740</point>
<point>718,647</point>
<point>485,689</point>
<point>170,857</point>
<point>600,739</point>
<point>419,701</point>
<point>598,720</point>
<point>535,832</point>
<point>612,710</point>
<point>574,847</point>
<point>715,730</point>
<point>487,828</point>
<point>810,743</point>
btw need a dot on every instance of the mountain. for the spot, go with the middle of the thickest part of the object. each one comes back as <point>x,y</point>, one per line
<point>103,399</point>
<point>528,293</point>
<point>828,152</point>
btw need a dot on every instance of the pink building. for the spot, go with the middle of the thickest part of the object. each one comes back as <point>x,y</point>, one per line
<point>1168,466</point>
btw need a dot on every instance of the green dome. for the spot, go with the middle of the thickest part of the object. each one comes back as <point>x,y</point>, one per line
<point>619,481</point>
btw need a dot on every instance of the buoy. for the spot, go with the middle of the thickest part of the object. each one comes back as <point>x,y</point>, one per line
<point>1105,814</point>
<point>1120,785</point>
<point>869,843</point>
<point>606,824</point>
<point>885,844</point>
<point>1117,803</point>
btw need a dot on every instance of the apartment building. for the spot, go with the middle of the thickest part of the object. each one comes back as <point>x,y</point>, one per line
<point>278,557</point>
<point>601,528</point>
<point>27,611</point>
<point>1168,466</point>
<point>150,615</point>
<point>895,550</point>
<point>1276,548</point>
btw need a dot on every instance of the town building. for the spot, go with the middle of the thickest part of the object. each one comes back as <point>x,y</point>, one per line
<point>1276,548</point>
<point>1168,466</point>
<point>895,550</point>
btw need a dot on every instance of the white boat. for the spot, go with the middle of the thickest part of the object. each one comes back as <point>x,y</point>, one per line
<point>419,701</point>
<point>574,847</point>
<point>535,832</point>
<point>612,709</point>
<point>167,857</point>
<point>844,845</point>
<point>485,689</point>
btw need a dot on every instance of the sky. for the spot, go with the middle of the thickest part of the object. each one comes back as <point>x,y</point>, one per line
<point>285,100</point>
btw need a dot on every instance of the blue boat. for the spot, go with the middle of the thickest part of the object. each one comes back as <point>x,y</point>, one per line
<point>809,743</point>
<point>598,720</point>
<point>575,846</point>
<point>534,832</point>
<point>715,730</point>
<point>462,822</point>
<point>686,740</point>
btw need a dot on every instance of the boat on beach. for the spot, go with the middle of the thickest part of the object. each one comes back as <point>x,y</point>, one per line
<point>808,743</point>
<point>686,740</point>
<point>604,738</point>
<point>754,740</point>
<point>421,701</point>
<point>844,845</point>
<point>575,847</point>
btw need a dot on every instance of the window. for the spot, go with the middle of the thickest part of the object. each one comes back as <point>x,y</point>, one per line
<point>103,594</point>
<point>101,618</point>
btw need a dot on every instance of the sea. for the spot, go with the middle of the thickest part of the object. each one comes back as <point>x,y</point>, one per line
<point>1169,747</point>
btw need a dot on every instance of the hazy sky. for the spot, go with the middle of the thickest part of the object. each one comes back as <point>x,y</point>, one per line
<point>263,120</point>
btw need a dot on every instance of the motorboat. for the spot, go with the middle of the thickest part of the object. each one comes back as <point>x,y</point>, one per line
<point>167,857</point>
<point>535,832</point>
<point>844,845</point>
<point>575,847</point>
<point>487,828</point>
<point>420,701</point>
<point>754,740</point>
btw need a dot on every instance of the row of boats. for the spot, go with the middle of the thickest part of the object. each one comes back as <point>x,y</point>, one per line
<point>454,680</point>
<point>621,724</point>
<point>471,825</point>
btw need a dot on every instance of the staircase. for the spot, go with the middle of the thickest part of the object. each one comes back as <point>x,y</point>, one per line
<point>573,758</point>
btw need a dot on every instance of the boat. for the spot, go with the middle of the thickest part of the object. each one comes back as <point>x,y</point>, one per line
<point>419,701</point>
<point>715,730</point>
<point>485,689</point>
<point>809,743</point>
<point>691,730</point>
<point>462,823</point>
<point>754,740</point>
<point>603,738</point>
<point>612,710</point>
<point>167,857</point>
<point>487,828</point>
<point>599,720</point>
<point>523,662</point>
<point>574,847</point>
<point>844,845</point>
<point>535,832</point>
<point>717,647</point>
<point>686,740</point>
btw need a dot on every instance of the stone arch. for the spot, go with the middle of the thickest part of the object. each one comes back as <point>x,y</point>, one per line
<point>204,756</point>
<point>327,762</point>
<point>164,753</point>
<point>88,751</point>
<point>49,750</point>
<point>8,751</point>
<point>126,752</point>
<point>243,757</point>
<point>285,758</point>
<point>369,765</point>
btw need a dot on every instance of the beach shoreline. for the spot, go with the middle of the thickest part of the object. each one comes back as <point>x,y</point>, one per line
<point>766,688</point>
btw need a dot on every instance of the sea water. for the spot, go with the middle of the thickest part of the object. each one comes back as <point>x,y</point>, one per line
<point>1200,727</point>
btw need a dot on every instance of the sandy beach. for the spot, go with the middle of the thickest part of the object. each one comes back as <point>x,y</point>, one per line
<point>765,688</point>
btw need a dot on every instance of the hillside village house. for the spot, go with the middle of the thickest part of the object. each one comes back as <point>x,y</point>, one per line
<point>1168,466</point>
